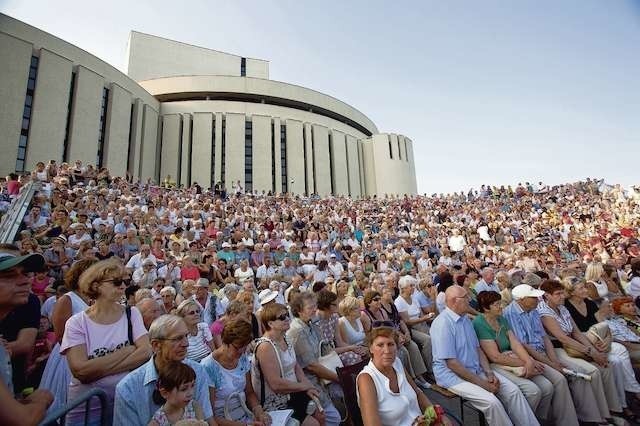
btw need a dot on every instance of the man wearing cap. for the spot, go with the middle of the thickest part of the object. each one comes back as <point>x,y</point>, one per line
<point>210,307</point>
<point>266,270</point>
<point>137,259</point>
<point>524,319</point>
<point>58,257</point>
<point>15,288</point>
<point>335,268</point>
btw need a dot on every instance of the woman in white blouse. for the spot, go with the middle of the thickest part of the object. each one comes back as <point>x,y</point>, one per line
<point>349,323</point>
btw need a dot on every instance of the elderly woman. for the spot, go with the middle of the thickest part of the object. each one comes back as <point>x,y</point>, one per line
<point>504,351</point>
<point>387,395</point>
<point>200,338</point>
<point>328,325</point>
<point>305,339</point>
<point>564,333</point>
<point>236,310</point>
<point>103,343</point>
<point>621,316</point>
<point>585,314</point>
<point>276,375</point>
<point>168,297</point>
<point>189,271</point>
<point>412,315</point>
<point>229,372</point>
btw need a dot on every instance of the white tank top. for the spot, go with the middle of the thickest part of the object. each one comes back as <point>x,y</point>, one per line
<point>354,336</point>
<point>395,409</point>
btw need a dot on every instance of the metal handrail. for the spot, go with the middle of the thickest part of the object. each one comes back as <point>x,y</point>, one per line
<point>12,219</point>
<point>58,417</point>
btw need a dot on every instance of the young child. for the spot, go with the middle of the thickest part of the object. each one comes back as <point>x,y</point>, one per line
<point>40,281</point>
<point>175,390</point>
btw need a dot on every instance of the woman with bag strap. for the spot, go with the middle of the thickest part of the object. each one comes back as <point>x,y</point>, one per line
<point>276,376</point>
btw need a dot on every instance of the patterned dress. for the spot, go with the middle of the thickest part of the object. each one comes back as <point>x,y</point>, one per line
<point>161,417</point>
<point>328,329</point>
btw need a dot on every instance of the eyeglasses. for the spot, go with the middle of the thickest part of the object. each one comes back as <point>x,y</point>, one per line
<point>382,323</point>
<point>196,312</point>
<point>283,317</point>
<point>176,339</point>
<point>117,282</point>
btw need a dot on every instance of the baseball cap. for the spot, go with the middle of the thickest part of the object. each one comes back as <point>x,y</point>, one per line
<point>524,290</point>
<point>202,282</point>
<point>31,262</point>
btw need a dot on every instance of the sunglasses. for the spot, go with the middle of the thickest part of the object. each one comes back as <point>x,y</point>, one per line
<point>196,312</point>
<point>283,317</point>
<point>382,324</point>
<point>117,282</point>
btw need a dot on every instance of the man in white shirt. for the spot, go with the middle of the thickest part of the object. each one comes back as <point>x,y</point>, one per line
<point>103,219</point>
<point>335,267</point>
<point>487,283</point>
<point>136,260</point>
<point>456,242</point>
<point>170,271</point>
<point>266,270</point>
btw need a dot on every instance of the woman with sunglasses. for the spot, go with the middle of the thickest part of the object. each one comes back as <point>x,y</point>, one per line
<point>277,378</point>
<point>229,372</point>
<point>104,342</point>
<point>408,351</point>
<point>200,339</point>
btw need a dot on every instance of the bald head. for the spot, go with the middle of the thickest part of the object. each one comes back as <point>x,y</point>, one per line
<point>456,299</point>
<point>150,310</point>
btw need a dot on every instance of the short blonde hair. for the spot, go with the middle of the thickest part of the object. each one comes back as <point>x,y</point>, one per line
<point>347,305</point>
<point>105,269</point>
<point>594,271</point>
<point>183,307</point>
<point>168,289</point>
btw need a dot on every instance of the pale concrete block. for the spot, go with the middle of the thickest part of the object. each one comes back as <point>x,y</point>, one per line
<point>353,166</point>
<point>170,147</point>
<point>295,152</point>
<point>308,158</point>
<point>340,176</point>
<point>363,188</point>
<point>116,145</point>
<point>148,164</point>
<point>85,117</point>
<point>234,149</point>
<point>50,107</point>
<point>261,149</point>
<point>321,160</point>
<point>201,149</point>
<point>15,58</point>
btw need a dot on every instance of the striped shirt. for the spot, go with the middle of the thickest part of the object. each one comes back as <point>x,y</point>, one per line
<point>199,344</point>
<point>526,325</point>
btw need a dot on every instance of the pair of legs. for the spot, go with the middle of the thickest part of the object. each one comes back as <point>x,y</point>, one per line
<point>423,341</point>
<point>504,408</point>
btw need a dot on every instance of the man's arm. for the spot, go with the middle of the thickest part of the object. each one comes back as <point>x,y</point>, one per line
<point>29,411</point>
<point>25,342</point>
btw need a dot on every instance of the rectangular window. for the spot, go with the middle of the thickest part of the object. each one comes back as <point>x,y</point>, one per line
<point>304,160</point>
<point>213,152</point>
<point>283,157</point>
<point>331,178</point>
<point>103,125</point>
<point>72,91</point>
<point>243,67</point>
<point>248,156</point>
<point>26,114</point>
<point>273,157</point>
<point>223,155</point>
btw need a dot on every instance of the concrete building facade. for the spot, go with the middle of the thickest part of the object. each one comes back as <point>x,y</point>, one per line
<point>192,113</point>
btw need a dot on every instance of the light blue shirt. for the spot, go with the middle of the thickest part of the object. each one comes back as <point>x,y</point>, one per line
<point>453,337</point>
<point>482,285</point>
<point>423,300</point>
<point>527,326</point>
<point>134,404</point>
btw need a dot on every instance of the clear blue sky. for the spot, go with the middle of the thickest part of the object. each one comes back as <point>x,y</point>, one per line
<point>489,91</point>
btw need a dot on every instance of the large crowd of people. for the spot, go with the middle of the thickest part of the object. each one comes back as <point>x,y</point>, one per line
<point>207,307</point>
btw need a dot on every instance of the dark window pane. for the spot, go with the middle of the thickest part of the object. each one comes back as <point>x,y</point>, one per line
<point>28,100</point>
<point>22,141</point>
<point>25,123</point>
<point>27,112</point>
<point>31,85</point>
<point>21,153</point>
<point>19,166</point>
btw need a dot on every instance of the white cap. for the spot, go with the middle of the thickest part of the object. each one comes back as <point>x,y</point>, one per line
<point>524,290</point>
<point>225,245</point>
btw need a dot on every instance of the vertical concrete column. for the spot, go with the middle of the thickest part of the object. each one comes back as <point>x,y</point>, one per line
<point>321,159</point>
<point>135,140</point>
<point>170,147</point>
<point>15,59</point>
<point>369,165</point>
<point>363,188</point>
<point>234,149</point>
<point>309,157</point>
<point>353,165</point>
<point>185,162</point>
<point>85,116</point>
<point>50,107</point>
<point>201,149</point>
<point>261,151</point>
<point>295,151</point>
<point>116,139</point>
<point>276,153</point>
<point>218,149</point>
<point>340,176</point>
<point>149,143</point>
<point>413,185</point>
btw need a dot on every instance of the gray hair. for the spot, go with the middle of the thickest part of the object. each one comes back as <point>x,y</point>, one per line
<point>161,325</point>
<point>168,289</point>
<point>406,281</point>
<point>227,289</point>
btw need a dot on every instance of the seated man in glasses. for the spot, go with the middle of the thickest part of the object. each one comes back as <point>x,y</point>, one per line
<point>134,403</point>
<point>460,365</point>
